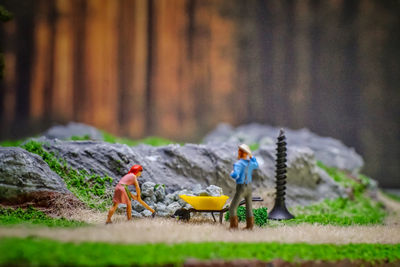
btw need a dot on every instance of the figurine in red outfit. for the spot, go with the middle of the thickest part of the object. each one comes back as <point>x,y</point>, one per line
<point>123,195</point>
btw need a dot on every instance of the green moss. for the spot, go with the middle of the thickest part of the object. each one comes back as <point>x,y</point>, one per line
<point>31,216</point>
<point>358,184</point>
<point>89,188</point>
<point>44,252</point>
<point>260,215</point>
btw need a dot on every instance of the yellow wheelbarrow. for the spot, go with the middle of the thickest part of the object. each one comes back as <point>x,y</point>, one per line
<point>205,204</point>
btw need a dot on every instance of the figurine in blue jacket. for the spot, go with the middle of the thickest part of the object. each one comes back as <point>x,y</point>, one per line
<point>242,172</point>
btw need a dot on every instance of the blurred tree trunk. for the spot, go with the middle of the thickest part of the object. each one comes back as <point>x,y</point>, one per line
<point>176,68</point>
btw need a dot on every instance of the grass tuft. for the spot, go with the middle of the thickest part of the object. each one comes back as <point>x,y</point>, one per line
<point>32,216</point>
<point>260,215</point>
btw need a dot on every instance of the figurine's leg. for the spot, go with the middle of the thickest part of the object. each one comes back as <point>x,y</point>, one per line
<point>235,201</point>
<point>249,203</point>
<point>111,212</point>
<point>249,208</point>
<point>129,210</point>
<point>233,218</point>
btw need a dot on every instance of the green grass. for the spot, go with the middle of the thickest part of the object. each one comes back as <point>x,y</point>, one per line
<point>89,188</point>
<point>107,137</point>
<point>44,252</point>
<point>361,210</point>
<point>392,196</point>
<point>152,140</point>
<point>31,216</point>
<point>342,211</point>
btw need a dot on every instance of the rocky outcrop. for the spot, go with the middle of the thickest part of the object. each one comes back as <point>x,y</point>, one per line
<point>25,177</point>
<point>73,129</point>
<point>184,167</point>
<point>330,151</point>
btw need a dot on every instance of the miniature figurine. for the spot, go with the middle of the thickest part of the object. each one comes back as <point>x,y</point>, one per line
<point>242,173</point>
<point>123,195</point>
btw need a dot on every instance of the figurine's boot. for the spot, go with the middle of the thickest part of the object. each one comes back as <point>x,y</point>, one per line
<point>249,223</point>
<point>234,221</point>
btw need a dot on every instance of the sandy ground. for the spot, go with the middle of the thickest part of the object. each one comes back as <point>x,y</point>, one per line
<point>200,230</point>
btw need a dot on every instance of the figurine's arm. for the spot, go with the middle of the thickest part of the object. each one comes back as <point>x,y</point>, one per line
<point>145,205</point>
<point>139,199</point>
<point>236,171</point>
<point>137,189</point>
<point>253,162</point>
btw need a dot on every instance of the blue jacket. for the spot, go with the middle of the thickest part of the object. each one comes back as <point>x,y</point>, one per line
<point>239,168</point>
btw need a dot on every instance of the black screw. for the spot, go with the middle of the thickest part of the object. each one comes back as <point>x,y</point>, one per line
<point>280,212</point>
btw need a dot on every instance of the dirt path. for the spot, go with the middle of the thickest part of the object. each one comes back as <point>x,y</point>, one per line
<point>171,231</point>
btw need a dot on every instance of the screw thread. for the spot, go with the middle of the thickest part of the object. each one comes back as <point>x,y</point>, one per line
<point>281,167</point>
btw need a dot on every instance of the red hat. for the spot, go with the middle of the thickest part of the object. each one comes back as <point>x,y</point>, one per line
<point>135,169</point>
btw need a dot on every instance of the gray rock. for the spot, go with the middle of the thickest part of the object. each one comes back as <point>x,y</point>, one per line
<point>146,213</point>
<point>184,192</point>
<point>197,189</point>
<point>185,166</point>
<point>26,177</point>
<point>148,189</point>
<point>136,214</point>
<point>330,151</point>
<point>73,129</point>
<point>169,199</point>
<point>150,200</point>
<point>161,208</point>
<point>182,202</point>
<point>214,191</point>
<point>137,206</point>
<point>160,192</point>
<point>171,208</point>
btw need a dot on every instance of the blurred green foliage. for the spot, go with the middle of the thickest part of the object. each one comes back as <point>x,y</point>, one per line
<point>32,216</point>
<point>254,147</point>
<point>392,196</point>
<point>11,143</point>
<point>260,215</point>
<point>5,15</point>
<point>44,252</point>
<point>151,140</point>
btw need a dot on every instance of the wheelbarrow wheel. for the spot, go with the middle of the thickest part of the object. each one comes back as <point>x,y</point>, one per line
<point>182,214</point>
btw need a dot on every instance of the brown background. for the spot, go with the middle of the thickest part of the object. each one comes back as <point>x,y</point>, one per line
<point>176,68</point>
